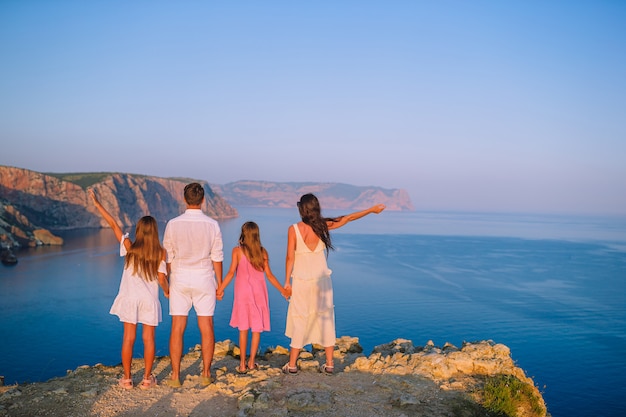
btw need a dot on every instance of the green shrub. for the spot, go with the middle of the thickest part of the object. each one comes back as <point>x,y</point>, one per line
<point>504,394</point>
<point>84,180</point>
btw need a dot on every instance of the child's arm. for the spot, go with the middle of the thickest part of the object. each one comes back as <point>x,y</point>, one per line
<point>343,220</point>
<point>109,219</point>
<point>271,278</point>
<point>234,262</point>
<point>163,281</point>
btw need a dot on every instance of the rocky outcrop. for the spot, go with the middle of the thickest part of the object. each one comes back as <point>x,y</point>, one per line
<point>32,201</point>
<point>16,231</point>
<point>396,379</point>
<point>331,195</point>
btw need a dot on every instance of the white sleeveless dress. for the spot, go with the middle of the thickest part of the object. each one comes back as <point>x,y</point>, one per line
<point>311,312</point>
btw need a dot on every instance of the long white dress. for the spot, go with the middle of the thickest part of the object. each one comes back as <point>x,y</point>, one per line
<point>311,312</point>
<point>137,300</point>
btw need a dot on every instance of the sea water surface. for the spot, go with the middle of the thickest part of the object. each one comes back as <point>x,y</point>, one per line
<point>552,288</point>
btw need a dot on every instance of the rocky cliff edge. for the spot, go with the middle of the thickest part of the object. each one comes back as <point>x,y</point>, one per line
<point>396,379</point>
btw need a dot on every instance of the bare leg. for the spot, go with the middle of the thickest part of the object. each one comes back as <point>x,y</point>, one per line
<point>243,346</point>
<point>254,348</point>
<point>128,341</point>
<point>148,349</point>
<point>293,357</point>
<point>328,350</point>
<point>179,323</point>
<point>207,336</point>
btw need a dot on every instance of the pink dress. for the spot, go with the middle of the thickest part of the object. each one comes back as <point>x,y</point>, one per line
<point>251,308</point>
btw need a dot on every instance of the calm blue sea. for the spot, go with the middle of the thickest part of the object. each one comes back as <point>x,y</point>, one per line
<point>552,288</point>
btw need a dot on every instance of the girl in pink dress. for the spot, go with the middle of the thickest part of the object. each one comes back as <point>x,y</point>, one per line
<point>138,298</point>
<point>250,263</point>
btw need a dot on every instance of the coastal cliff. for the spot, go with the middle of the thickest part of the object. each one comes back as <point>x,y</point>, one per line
<point>331,195</point>
<point>33,203</point>
<point>396,379</point>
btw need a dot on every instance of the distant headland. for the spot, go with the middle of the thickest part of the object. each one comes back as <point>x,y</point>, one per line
<point>35,205</point>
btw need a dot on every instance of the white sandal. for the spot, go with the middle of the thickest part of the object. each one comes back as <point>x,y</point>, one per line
<point>327,369</point>
<point>289,370</point>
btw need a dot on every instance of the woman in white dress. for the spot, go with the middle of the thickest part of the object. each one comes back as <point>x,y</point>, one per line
<point>138,298</point>
<point>311,312</point>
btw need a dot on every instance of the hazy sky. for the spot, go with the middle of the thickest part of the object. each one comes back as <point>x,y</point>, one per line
<point>468,105</point>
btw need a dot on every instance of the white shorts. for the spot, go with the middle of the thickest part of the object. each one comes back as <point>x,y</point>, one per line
<point>193,289</point>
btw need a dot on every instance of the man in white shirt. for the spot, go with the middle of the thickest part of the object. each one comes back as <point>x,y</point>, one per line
<point>194,247</point>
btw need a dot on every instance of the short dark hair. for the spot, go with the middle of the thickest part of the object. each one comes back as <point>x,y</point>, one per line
<point>194,193</point>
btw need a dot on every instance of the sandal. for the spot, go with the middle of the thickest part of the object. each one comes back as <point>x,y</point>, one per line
<point>241,371</point>
<point>327,369</point>
<point>289,370</point>
<point>126,383</point>
<point>255,367</point>
<point>149,382</point>
<point>174,383</point>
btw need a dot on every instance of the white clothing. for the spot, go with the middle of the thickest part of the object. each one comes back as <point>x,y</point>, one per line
<point>200,296</point>
<point>311,312</point>
<point>137,300</point>
<point>193,241</point>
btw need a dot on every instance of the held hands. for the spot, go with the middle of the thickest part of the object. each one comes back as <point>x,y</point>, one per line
<point>219,293</point>
<point>286,292</point>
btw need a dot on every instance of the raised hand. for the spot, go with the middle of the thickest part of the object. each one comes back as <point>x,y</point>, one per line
<point>378,208</point>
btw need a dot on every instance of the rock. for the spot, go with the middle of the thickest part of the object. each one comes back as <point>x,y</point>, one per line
<point>32,201</point>
<point>46,238</point>
<point>7,258</point>
<point>396,379</point>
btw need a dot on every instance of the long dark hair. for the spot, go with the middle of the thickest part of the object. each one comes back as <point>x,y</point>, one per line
<point>311,214</point>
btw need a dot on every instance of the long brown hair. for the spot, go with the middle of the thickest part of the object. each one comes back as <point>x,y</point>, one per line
<point>145,253</point>
<point>250,243</point>
<point>311,214</point>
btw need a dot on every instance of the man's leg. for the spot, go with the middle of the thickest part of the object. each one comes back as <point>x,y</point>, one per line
<point>179,323</point>
<point>207,335</point>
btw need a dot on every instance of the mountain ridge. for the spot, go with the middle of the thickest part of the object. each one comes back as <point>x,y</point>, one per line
<point>257,193</point>
<point>32,204</point>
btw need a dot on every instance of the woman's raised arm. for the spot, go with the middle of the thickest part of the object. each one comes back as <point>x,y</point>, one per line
<point>343,220</point>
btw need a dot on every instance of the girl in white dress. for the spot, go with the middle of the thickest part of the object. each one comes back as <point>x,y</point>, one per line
<point>138,298</point>
<point>311,312</point>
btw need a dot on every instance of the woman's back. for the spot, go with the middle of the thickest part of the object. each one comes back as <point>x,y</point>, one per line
<point>310,259</point>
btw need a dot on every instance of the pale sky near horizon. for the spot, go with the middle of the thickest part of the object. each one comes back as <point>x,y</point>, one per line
<point>509,106</point>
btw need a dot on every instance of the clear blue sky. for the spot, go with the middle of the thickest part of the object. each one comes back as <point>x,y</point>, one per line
<point>468,105</point>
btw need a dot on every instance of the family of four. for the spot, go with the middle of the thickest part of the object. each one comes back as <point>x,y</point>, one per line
<point>188,268</point>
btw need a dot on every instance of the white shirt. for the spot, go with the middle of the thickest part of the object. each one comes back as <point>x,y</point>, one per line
<point>193,240</point>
